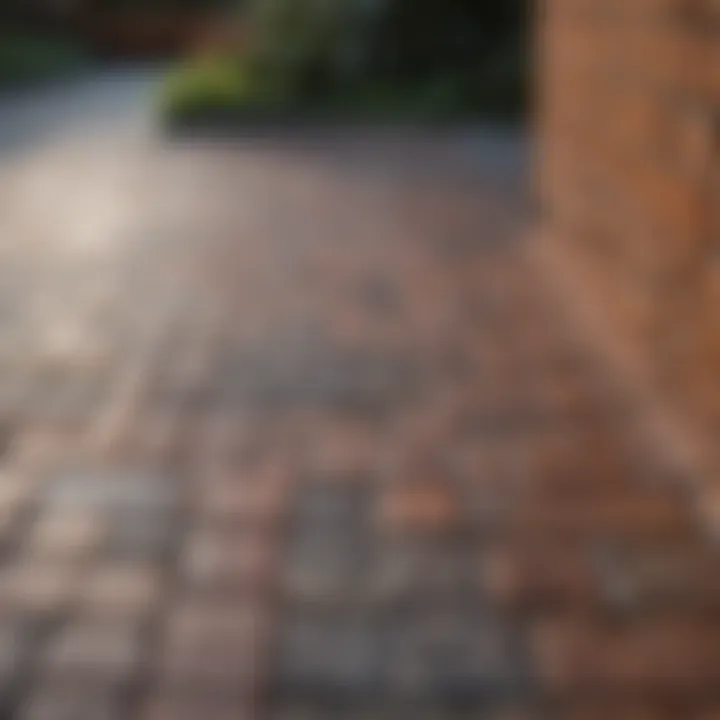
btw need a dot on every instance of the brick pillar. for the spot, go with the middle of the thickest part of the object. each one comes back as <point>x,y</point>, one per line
<point>629,109</point>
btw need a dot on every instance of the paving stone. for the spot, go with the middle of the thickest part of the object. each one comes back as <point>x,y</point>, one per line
<point>410,569</point>
<point>644,515</point>
<point>65,398</point>
<point>56,700</point>
<point>101,489</point>
<point>346,450</point>
<point>175,705</point>
<point>300,377</point>
<point>680,576</point>
<point>324,507</point>
<point>323,570</point>
<point>17,636</point>
<point>7,435</point>
<point>335,654</point>
<point>329,553</point>
<point>240,499</point>
<point>665,657</point>
<point>455,653</point>
<point>41,445</point>
<point>121,589</point>
<point>105,648</point>
<point>67,536</point>
<point>544,576</point>
<point>15,488</point>
<point>226,441</point>
<point>422,507</point>
<point>214,644</point>
<point>217,559</point>
<point>138,508</point>
<point>39,588</point>
<point>16,492</point>
<point>625,709</point>
<point>397,709</point>
<point>160,440</point>
<point>142,535</point>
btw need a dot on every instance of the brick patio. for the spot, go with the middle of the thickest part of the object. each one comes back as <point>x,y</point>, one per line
<point>298,430</point>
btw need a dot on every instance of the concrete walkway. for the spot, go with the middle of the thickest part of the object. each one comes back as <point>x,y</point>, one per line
<point>292,429</point>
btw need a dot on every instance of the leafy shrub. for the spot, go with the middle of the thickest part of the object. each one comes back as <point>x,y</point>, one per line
<point>205,85</point>
<point>367,59</point>
<point>220,87</point>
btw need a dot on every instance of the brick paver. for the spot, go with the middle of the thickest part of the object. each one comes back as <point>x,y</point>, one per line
<point>296,430</point>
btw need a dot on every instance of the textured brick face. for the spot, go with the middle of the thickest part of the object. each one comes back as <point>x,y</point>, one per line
<point>629,177</point>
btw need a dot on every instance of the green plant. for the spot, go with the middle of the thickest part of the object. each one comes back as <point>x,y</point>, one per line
<point>216,86</point>
<point>366,59</point>
<point>204,84</point>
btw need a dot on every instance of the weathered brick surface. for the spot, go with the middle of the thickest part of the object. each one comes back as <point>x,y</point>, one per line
<point>348,460</point>
<point>629,136</point>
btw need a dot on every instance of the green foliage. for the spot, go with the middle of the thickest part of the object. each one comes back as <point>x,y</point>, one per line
<point>205,86</point>
<point>375,59</point>
<point>304,41</point>
<point>219,87</point>
<point>25,60</point>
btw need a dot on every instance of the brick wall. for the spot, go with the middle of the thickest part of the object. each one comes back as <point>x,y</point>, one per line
<point>629,110</point>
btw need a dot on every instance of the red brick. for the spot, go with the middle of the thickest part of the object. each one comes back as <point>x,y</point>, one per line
<point>421,506</point>
<point>549,576</point>
<point>630,514</point>
<point>664,657</point>
<point>256,499</point>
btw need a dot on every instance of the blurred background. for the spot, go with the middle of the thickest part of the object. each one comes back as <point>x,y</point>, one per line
<point>363,57</point>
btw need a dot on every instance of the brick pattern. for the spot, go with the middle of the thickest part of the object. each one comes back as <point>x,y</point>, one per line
<point>346,460</point>
<point>629,135</point>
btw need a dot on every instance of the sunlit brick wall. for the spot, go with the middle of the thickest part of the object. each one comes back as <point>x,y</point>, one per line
<point>629,110</point>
